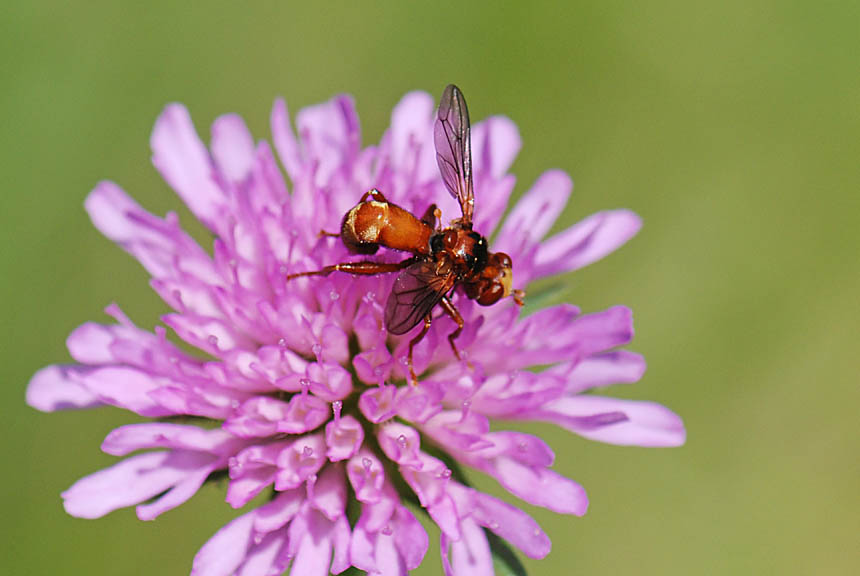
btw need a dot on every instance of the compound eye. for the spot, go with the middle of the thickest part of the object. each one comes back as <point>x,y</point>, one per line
<point>503,260</point>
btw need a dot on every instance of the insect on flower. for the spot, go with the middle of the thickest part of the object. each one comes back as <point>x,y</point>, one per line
<point>443,259</point>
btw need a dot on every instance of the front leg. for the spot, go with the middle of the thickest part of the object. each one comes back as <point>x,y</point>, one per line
<point>363,268</point>
<point>452,311</point>
<point>413,379</point>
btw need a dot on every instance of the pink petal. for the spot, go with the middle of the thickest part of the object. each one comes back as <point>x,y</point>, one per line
<point>277,513</point>
<point>557,334</point>
<point>233,147</point>
<point>366,475</point>
<point>585,242</point>
<point>541,487</point>
<point>410,538</point>
<point>343,437</point>
<point>495,144</point>
<point>616,367</point>
<point>378,404</point>
<point>242,489</point>
<point>362,549</point>
<point>512,524</point>
<point>534,214</point>
<point>285,141</point>
<point>252,470</point>
<point>305,412</point>
<point>313,556</point>
<point>401,444</point>
<point>330,136</point>
<point>524,448</point>
<point>160,245</point>
<point>258,417</point>
<point>59,388</point>
<point>301,459</point>
<point>226,550</point>
<point>411,131</point>
<point>329,492</point>
<point>647,424</point>
<point>184,163</point>
<point>90,343</point>
<point>340,535</point>
<point>126,439</point>
<point>127,388</point>
<point>211,335</point>
<point>263,558</point>
<point>131,481</point>
<point>177,495</point>
<point>470,556</point>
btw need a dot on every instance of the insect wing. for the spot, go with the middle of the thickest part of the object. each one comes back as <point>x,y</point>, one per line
<point>415,292</point>
<point>454,149</point>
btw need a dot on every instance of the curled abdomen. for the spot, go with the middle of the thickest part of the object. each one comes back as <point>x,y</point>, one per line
<point>372,224</point>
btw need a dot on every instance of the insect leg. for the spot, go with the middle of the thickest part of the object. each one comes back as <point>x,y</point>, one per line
<point>452,311</point>
<point>413,379</point>
<point>363,268</point>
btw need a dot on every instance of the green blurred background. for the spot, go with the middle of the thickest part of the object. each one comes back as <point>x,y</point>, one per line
<point>733,128</point>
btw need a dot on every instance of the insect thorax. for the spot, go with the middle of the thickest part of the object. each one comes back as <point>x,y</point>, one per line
<point>466,249</point>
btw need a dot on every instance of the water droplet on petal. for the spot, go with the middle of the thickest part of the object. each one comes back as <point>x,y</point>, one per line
<point>312,479</point>
<point>235,404</point>
<point>522,446</point>
<point>333,295</point>
<point>336,407</point>
<point>493,525</point>
<point>404,360</point>
<point>316,349</point>
<point>282,342</point>
<point>387,530</point>
<point>212,339</point>
<point>367,463</point>
<point>377,371</point>
<point>307,451</point>
<point>536,532</point>
<point>369,297</point>
<point>258,538</point>
<point>401,441</point>
<point>446,473</point>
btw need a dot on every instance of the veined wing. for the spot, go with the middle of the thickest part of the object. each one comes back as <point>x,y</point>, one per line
<point>415,293</point>
<point>454,149</point>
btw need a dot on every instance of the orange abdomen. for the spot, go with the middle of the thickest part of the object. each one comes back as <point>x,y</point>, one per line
<point>372,224</point>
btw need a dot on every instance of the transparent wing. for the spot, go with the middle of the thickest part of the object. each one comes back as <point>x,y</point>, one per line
<point>454,149</point>
<point>415,292</point>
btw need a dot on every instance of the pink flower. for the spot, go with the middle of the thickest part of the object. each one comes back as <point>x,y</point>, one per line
<point>308,387</point>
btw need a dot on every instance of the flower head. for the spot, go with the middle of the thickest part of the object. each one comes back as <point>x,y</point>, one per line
<point>307,387</point>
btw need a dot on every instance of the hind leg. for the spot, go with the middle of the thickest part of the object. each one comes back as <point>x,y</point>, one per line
<point>363,268</point>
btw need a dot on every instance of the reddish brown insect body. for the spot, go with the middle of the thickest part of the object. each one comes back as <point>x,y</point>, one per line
<point>442,259</point>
